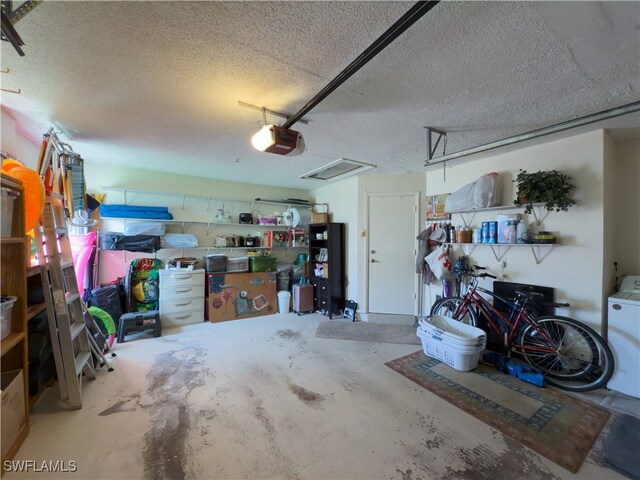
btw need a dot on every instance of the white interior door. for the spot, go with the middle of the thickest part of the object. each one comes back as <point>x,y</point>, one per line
<point>393,221</point>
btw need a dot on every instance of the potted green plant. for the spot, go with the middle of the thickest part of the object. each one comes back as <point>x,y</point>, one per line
<point>550,188</point>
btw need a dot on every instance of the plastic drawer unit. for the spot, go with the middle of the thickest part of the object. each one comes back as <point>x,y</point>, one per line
<point>181,297</point>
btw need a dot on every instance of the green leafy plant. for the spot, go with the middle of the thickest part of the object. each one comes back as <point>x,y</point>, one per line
<point>550,188</point>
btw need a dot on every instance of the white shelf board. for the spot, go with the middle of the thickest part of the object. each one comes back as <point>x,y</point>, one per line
<point>500,249</point>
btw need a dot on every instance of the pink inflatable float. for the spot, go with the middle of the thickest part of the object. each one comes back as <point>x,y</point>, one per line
<point>81,247</point>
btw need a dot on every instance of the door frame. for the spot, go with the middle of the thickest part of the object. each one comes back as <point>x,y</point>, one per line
<point>416,214</point>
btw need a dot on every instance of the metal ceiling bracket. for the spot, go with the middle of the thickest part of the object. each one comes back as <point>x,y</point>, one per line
<point>430,146</point>
<point>17,14</point>
<point>265,110</point>
<point>558,127</point>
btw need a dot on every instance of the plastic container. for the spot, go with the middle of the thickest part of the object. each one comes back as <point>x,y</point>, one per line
<point>485,232</point>
<point>262,264</point>
<point>284,302</point>
<point>450,328</point>
<point>238,264</point>
<point>493,232</point>
<point>460,358</point>
<point>457,344</point>
<point>8,197</point>
<point>215,263</point>
<point>453,341</point>
<point>7,308</point>
<point>521,230</point>
<point>283,280</point>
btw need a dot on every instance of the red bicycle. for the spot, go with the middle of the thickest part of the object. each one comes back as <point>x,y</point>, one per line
<point>571,355</point>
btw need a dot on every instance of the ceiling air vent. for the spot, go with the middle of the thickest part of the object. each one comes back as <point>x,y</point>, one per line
<point>337,169</point>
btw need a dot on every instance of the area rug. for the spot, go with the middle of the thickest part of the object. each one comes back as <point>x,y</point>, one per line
<point>557,426</point>
<point>368,332</point>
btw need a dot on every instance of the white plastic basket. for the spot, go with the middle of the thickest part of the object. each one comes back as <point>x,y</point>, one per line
<point>462,359</point>
<point>452,329</point>
<point>437,335</point>
<point>5,323</point>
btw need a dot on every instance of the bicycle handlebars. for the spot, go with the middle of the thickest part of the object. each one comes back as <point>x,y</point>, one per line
<point>485,275</point>
<point>470,271</point>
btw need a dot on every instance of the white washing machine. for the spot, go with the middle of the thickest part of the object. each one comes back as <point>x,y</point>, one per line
<point>624,337</point>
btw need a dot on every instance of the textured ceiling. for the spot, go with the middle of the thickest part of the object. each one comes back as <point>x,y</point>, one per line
<point>156,84</point>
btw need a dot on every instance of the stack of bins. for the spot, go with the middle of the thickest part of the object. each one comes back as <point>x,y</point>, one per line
<point>215,263</point>
<point>454,343</point>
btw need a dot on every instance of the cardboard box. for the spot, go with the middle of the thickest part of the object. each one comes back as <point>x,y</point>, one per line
<point>320,213</point>
<point>12,386</point>
<point>319,218</point>
<point>233,296</point>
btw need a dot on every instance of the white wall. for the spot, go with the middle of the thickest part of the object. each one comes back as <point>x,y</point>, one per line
<point>625,195</point>
<point>235,197</point>
<point>575,267</point>
<point>346,200</point>
<point>342,198</point>
<point>609,224</point>
<point>15,144</point>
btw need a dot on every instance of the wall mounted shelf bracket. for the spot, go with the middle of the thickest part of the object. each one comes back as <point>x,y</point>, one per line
<point>430,146</point>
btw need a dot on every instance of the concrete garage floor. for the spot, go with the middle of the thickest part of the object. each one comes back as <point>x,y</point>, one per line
<point>265,398</point>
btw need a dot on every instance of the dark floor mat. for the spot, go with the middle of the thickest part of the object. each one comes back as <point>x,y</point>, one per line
<point>621,446</point>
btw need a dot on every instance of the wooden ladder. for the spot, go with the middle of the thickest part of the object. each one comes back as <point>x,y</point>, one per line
<point>74,348</point>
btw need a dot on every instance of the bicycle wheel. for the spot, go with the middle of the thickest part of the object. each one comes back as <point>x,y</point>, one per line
<point>580,360</point>
<point>448,306</point>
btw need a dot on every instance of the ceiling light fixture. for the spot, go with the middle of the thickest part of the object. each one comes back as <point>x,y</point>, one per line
<point>278,140</point>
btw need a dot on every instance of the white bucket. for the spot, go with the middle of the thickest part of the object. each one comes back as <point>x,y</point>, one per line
<point>284,301</point>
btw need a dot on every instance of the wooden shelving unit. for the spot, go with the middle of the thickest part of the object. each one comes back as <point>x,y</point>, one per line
<point>13,348</point>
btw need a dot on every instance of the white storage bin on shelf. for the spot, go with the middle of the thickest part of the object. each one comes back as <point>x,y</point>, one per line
<point>8,196</point>
<point>216,262</point>
<point>238,264</point>
<point>7,308</point>
<point>453,343</point>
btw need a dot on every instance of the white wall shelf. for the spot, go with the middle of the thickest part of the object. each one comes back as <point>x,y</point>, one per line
<point>206,250</point>
<point>210,225</point>
<point>537,212</point>
<point>124,191</point>
<point>540,250</point>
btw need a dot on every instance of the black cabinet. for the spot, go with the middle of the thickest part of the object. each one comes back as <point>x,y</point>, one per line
<point>326,266</point>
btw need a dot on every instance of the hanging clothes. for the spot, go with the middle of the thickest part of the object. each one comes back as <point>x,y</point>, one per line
<point>423,250</point>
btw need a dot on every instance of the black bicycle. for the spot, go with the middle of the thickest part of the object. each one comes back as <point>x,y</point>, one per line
<point>570,354</point>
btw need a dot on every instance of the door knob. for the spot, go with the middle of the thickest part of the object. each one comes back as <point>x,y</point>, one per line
<point>373,251</point>
<point>373,260</point>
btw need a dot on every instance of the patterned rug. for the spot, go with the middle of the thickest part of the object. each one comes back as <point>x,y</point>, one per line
<point>557,426</point>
